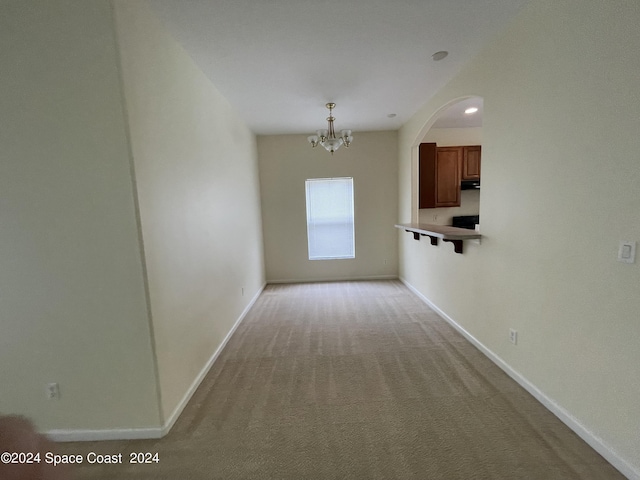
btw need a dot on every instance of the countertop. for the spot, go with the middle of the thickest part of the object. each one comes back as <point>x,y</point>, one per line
<point>446,232</point>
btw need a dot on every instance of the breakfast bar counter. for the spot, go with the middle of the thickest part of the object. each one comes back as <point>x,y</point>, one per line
<point>447,233</point>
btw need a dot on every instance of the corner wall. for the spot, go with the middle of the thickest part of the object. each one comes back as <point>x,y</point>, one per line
<point>71,279</point>
<point>560,175</point>
<point>196,174</point>
<point>286,161</point>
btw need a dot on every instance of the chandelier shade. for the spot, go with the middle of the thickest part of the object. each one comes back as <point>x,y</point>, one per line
<point>327,138</point>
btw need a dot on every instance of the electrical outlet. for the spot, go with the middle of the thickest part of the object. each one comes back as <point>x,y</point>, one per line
<point>513,336</point>
<point>53,391</point>
<point>627,252</point>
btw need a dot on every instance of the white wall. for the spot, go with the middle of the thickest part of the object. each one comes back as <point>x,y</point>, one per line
<point>72,298</point>
<point>560,179</point>
<point>197,180</point>
<point>114,212</point>
<point>286,161</point>
<point>469,199</point>
<point>453,137</point>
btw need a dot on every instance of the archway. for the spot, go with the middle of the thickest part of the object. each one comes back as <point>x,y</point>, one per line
<point>448,126</point>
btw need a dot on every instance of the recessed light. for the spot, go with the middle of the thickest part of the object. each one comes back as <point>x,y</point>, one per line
<point>439,55</point>
<point>391,115</point>
<point>471,110</point>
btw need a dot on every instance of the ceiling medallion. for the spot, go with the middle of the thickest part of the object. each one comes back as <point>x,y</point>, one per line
<point>327,138</point>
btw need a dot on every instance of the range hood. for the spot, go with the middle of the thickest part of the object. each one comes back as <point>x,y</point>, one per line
<point>470,185</point>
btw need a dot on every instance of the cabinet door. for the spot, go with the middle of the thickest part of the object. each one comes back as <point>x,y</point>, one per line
<point>427,175</point>
<point>448,166</point>
<point>471,162</point>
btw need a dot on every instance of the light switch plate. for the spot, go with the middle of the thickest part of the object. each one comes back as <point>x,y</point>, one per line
<point>627,252</point>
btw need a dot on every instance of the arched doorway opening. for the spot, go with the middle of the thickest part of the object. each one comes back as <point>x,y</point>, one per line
<point>455,129</point>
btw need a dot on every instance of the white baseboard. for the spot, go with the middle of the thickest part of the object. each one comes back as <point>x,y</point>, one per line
<point>99,435</point>
<point>593,440</point>
<point>205,370</point>
<point>155,432</point>
<point>333,279</point>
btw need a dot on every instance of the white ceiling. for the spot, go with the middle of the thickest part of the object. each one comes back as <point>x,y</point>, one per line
<point>279,61</point>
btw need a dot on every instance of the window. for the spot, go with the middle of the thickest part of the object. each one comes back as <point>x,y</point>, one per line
<point>330,229</point>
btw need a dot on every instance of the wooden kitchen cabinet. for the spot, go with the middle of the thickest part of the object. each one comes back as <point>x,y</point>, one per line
<point>439,172</point>
<point>471,162</point>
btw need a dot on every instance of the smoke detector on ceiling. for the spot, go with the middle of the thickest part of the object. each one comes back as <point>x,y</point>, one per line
<point>439,55</point>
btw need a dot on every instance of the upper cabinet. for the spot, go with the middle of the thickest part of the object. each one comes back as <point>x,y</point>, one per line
<point>471,162</point>
<point>439,176</point>
<point>440,171</point>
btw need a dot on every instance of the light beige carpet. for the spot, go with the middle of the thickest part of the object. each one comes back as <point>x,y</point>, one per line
<point>355,380</point>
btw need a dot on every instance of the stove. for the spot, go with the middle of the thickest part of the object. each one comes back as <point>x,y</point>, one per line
<point>466,221</point>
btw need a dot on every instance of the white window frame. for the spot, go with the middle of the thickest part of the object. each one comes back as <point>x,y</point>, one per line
<point>328,218</point>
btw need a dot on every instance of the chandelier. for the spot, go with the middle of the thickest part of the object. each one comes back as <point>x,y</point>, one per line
<point>327,138</point>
